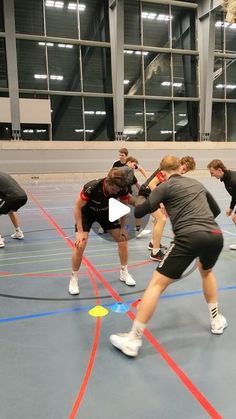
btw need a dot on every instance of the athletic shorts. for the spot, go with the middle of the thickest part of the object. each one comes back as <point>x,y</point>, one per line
<point>7,205</point>
<point>185,248</point>
<point>89,217</point>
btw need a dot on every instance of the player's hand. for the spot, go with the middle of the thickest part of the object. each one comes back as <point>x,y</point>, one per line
<point>234,218</point>
<point>81,239</point>
<point>228,212</point>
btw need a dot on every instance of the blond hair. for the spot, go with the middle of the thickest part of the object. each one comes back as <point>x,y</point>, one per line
<point>170,163</point>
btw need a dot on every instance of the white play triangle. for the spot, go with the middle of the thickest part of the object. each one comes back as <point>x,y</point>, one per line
<point>117,210</point>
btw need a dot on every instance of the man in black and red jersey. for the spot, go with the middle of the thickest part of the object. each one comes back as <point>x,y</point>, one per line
<point>192,210</point>
<point>92,206</point>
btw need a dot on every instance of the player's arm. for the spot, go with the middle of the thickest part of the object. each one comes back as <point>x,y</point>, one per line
<point>159,178</point>
<point>142,170</point>
<point>81,236</point>
<point>152,203</point>
<point>215,209</point>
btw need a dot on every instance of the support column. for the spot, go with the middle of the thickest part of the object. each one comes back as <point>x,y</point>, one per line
<point>116,20</point>
<point>9,17</point>
<point>206,31</point>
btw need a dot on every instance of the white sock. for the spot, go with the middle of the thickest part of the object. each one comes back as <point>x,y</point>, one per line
<point>75,274</point>
<point>137,329</point>
<point>213,311</point>
<point>18,230</point>
<point>155,250</point>
<point>124,267</point>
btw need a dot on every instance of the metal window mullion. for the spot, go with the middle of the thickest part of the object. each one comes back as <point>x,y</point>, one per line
<point>143,76</point>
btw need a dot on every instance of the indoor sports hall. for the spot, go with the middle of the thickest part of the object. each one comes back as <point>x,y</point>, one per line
<point>80,82</point>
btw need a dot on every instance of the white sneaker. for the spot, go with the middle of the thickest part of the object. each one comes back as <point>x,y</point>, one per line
<point>129,346</point>
<point>18,235</point>
<point>127,278</point>
<point>2,242</point>
<point>73,286</point>
<point>142,233</point>
<point>232,247</point>
<point>218,326</point>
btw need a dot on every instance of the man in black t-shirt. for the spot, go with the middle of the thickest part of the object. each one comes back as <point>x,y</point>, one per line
<point>192,210</point>
<point>92,206</point>
<point>228,177</point>
<point>12,197</point>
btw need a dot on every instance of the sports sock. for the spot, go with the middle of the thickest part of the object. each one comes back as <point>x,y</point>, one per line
<point>18,229</point>
<point>75,273</point>
<point>155,250</point>
<point>124,267</point>
<point>137,330</point>
<point>213,311</point>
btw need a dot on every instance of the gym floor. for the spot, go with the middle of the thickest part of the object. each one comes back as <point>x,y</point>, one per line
<point>56,359</point>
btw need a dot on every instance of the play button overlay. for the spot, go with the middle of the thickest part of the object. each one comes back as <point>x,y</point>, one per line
<point>117,210</point>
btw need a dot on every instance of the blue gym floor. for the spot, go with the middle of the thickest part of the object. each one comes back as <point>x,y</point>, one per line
<point>56,359</point>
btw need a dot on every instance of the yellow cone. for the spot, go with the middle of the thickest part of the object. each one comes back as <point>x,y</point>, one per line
<point>98,311</point>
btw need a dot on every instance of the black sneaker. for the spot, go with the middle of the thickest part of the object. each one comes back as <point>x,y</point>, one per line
<point>158,257</point>
<point>163,248</point>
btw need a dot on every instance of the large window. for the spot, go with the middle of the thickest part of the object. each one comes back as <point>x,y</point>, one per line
<point>3,71</point>
<point>96,64</point>
<point>29,17</point>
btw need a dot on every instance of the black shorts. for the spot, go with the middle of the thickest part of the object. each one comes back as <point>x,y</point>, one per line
<point>90,217</point>
<point>184,249</point>
<point>7,205</point>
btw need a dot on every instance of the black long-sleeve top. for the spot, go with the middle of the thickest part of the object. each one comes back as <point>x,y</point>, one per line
<point>189,205</point>
<point>229,180</point>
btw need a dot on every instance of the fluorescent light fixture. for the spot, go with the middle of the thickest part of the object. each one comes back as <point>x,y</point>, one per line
<point>82,130</point>
<point>28,131</point>
<point>49,44</point>
<point>152,16</point>
<point>55,77</point>
<point>168,83</point>
<point>126,81</point>
<point>182,123</point>
<point>89,112</point>
<point>147,113</point>
<point>164,18</point>
<point>40,76</point>
<point>65,46</point>
<point>133,130</point>
<point>227,86</point>
<point>73,6</point>
<point>182,114</point>
<point>166,131</point>
<point>41,130</point>
<point>130,52</point>
<point>57,4</point>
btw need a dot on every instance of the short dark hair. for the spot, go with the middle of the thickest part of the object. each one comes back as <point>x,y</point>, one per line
<point>189,161</point>
<point>124,151</point>
<point>132,160</point>
<point>216,164</point>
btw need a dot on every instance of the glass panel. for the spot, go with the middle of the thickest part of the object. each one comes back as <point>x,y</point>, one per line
<point>183,28</point>
<point>29,17</point>
<point>5,131</point>
<point>230,78</point>
<point>156,25</point>
<point>32,72</point>
<point>184,75</point>
<point>231,121</point>
<point>2,29</point>
<point>159,120</point>
<point>219,32</point>
<point>186,121</point>
<point>63,67</point>
<point>134,120</point>
<point>96,63</point>
<point>132,30</point>
<point>157,74</point>
<point>61,19</point>
<point>35,132</point>
<point>218,122</point>
<point>219,78</point>
<point>98,114</point>
<point>94,20</point>
<point>3,67</point>
<point>230,38</point>
<point>133,83</point>
<point>67,118</point>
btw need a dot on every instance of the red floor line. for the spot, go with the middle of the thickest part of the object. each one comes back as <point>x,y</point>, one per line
<point>170,362</point>
<point>92,356</point>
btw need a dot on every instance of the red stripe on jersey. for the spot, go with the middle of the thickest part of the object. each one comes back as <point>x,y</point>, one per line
<point>83,197</point>
<point>160,177</point>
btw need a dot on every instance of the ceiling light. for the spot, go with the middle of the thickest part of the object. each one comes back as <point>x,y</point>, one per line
<point>126,81</point>
<point>40,76</point>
